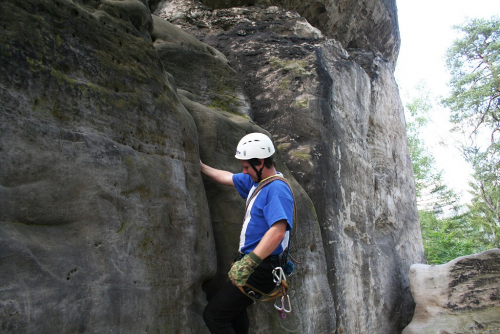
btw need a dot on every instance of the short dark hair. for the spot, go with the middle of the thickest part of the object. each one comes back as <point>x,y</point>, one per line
<point>268,162</point>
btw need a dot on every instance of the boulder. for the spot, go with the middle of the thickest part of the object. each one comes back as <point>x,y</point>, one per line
<point>461,296</point>
<point>199,68</point>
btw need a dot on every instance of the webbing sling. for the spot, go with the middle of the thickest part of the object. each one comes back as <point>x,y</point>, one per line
<point>282,288</point>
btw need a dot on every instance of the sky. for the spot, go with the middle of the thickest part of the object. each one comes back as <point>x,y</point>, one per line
<point>426,33</point>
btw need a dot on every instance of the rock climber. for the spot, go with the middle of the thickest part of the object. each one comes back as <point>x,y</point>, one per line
<point>264,236</point>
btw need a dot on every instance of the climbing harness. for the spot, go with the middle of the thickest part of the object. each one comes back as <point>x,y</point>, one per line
<point>283,304</point>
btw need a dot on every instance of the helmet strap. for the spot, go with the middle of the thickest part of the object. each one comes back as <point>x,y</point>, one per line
<point>258,172</point>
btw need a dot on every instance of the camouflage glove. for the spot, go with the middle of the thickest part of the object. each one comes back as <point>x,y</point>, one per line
<point>241,270</point>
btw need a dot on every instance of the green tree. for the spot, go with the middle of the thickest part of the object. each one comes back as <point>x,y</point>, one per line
<point>485,206</point>
<point>416,119</point>
<point>447,231</point>
<point>432,193</point>
<point>474,64</point>
<point>446,238</point>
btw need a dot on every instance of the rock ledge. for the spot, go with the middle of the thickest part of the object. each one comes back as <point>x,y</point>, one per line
<point>461,296</point>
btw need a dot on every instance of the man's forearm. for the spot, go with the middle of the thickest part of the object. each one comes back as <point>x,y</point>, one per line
<point>218,175</point>
<point>271,239</point>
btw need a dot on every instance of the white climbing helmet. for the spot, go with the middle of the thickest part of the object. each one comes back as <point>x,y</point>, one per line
<point>254,145</point>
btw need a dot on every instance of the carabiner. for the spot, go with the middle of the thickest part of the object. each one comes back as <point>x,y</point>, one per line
<point>283,308</point>
<point>287,297</point>
<point>253,296</point>
<point>277,278</point>
<point>282,305</point>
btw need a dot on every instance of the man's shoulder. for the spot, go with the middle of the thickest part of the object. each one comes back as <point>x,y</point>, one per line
<point>242,178</point>
<point>279,186</point>
<point>243,183</point>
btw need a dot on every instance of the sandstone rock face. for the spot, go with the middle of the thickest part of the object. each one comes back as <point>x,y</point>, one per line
<point>220,126</point>
<point>461,296</point>
<point>100,192</point>
<point>369,25</point>
<point>311,298</point>
<point>104,218</point>
<point>338,122</point>
<point>106,224</point>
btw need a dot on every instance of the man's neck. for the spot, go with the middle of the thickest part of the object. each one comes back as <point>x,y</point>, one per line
<point>267,172</point>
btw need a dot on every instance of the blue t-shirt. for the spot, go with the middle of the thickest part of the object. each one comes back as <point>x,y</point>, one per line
<point>274,202</point>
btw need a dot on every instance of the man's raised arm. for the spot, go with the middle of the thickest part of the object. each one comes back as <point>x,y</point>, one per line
<point>218,175</point>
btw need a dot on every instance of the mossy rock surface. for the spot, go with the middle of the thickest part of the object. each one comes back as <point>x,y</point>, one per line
<point>104,225</point>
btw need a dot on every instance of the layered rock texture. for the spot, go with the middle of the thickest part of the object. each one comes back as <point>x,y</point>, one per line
<point>461,296</point>
<point>106,224</point>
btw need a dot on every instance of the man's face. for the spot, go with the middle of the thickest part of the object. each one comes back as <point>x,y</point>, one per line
<point>247,169</point>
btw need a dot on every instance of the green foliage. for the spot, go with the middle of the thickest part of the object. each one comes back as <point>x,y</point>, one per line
<point>432,193</point>
<point>448,238</point>
<point>416,118</point>
<point>485,206</point>
<point>447,233</point>
<point>448,230</point>
<point>474,64</point>
<point>423,163</point>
